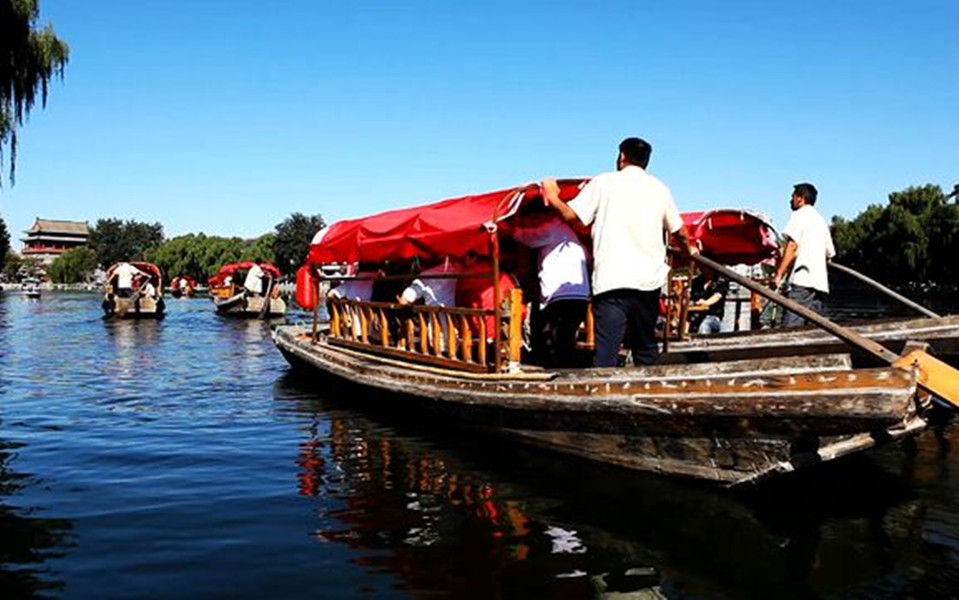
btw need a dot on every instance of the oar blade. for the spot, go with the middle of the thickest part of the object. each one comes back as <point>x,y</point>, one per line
<point>934,375</point>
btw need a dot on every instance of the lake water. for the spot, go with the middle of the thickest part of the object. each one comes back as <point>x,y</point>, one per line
<point>182,459</point>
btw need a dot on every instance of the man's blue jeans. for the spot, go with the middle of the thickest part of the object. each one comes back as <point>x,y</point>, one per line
<point>629,314</point>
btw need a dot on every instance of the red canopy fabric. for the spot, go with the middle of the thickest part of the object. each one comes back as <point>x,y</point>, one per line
<point>733,236</point>
<point>230,269</point>
<point>434,231</point>
<point>454,227</point>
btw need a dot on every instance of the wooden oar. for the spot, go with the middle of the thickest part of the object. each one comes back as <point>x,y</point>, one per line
<point>892,294</point>
<point>267,301</point>
<point>934,375</point>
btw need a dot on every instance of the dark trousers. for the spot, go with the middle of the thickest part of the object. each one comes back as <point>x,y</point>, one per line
<point>630,314</point>
<point>811,298</point>
<point>554,329</point>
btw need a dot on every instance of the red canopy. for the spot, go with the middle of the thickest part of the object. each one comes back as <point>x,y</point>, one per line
<point>146,267</point>
<point>230,269</point>
<point>448,228</point>
<point>733,236</point>
<point>454,227</point>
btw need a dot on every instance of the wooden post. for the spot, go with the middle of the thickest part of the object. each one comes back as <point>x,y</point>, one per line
<point>467,339</point>
<point>515,327</point>
<point>497,299</point>
<point>437,334</point>
<point>384,329</point>
<point>590,327</point>
<point>364,323</point>
<point>424,342</point>
<point>450,335</point>
<point>316,310</point>
<point>410,338</point>
<point>482,341</point>
<point>334,319</point>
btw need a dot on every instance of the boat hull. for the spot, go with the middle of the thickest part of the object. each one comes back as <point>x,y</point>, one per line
<point>243,306</point>
<point>942,335</point>
<point>727,422</point>
<point>116,307</point>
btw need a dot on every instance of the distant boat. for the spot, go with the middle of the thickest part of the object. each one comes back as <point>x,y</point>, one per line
<point>184,285</point>
<point>143,300</point>
<point>31,287</point>
<point>231,299</point>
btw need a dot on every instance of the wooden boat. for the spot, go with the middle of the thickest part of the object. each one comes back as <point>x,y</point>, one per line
<point>184,285</point>
<point>138,303</point>
<point>727,421</point>
<point>31,288</point>
<point>231,299</point>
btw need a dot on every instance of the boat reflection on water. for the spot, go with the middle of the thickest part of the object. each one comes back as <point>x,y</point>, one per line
<point>459,514</point>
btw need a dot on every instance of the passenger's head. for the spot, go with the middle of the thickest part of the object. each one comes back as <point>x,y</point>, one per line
<point>806,192</point>
<point>634,151</point>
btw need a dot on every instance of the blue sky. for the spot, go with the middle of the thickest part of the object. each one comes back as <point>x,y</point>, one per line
<point>226,116</point>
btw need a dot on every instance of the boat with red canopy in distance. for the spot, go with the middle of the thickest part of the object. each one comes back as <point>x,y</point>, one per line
<point>134,290</point>
<point>231,298</point>
<point>728,422</point>
<point>184,285</point>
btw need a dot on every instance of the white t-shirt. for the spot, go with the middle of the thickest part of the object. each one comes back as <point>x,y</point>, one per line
<point>254,279</point>
<point>630,211</point>
<point>814,247</point>
<point>562,260</point>
<point>124,274</point>
<point>434,292</point>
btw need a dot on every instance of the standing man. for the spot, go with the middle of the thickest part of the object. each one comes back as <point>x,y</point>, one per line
<point>254,279</point>
<point>809,244</point>
<point>629,212</point>
<point>563,286</point>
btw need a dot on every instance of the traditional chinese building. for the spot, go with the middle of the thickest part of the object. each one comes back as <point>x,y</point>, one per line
<point>49,238</point>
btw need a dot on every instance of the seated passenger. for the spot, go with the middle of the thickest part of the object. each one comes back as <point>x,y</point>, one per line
<point>478,292</point>
<point>354,289</point>
<point>433,291</point>
<point>707,295</point>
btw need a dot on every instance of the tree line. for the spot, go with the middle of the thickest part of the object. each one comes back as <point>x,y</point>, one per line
<point>911,243</point>
<point>196,255</point>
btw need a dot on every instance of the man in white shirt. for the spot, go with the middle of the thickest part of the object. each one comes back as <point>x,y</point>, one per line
<point>563,286</point>
<point>254,279</point>
<point>629,212</point>
<point>809,245</point>
<point>124,274</point>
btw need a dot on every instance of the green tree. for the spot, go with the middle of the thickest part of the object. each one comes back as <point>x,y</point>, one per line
<point>16,266</point>
<point>260,248</point>
<point>196,255</point>
<point>73,266</point>
<point>4,243</point>
<point>114,240</point>
<point>293,237</point>
<point>910,243</point>
<point>29,59</point>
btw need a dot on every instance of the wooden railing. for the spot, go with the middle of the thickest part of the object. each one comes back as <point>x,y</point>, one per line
<point>447,336</point>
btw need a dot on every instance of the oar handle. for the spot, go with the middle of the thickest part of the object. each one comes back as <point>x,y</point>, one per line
<point>844,333</point>
<point>892,294</point>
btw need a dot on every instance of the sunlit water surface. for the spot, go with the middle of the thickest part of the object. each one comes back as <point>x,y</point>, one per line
<point>182,459</point>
